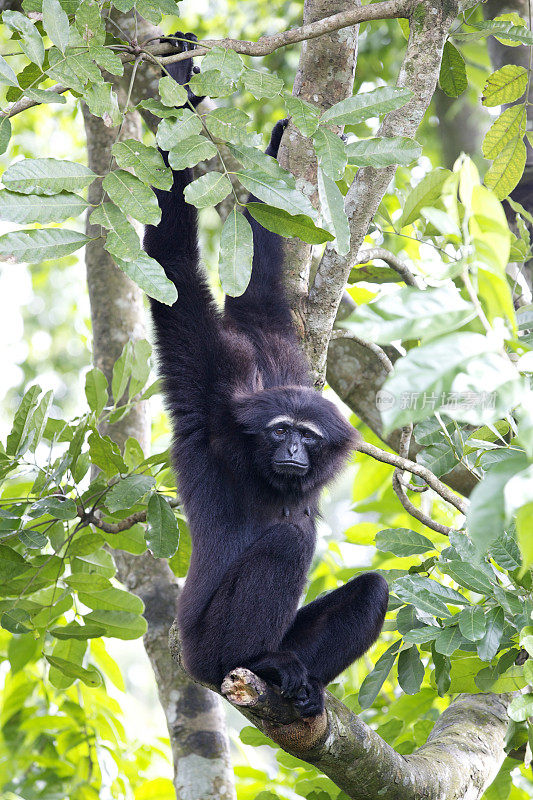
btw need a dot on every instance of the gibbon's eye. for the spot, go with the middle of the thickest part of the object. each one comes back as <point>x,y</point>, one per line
<point>279,431</point>
<point>309,436</point>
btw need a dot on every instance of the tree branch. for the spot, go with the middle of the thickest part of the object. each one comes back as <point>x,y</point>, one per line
<point>460,759</point>
<point>389,9</point>
<point>94,518</point>
<point>371,253</point>
<point>416,469</point>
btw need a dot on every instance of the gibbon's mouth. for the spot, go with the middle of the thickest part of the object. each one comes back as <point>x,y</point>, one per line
<point>290,467</point>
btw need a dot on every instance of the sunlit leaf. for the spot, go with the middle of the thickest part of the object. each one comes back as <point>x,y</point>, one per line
<point>368,104</point>
<point>39,245</point>
<point>452,78</point>
<point>46,176</point>
<point>55,23</point>
<point>208,190</point>
<point>236,251</point>
<point>505,85</point>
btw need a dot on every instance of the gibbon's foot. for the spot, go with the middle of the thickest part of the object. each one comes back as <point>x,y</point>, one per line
<point>313,703</point>
<point>284,669</point>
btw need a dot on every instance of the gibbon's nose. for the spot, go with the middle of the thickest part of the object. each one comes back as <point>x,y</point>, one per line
<point>292,448</point>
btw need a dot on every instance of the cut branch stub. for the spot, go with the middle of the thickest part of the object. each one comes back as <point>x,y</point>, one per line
<point>278,717</point>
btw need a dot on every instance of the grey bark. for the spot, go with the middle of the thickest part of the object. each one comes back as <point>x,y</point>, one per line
<point>194,715</point>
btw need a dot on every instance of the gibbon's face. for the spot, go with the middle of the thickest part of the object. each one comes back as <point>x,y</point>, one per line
<point>297,439</point>
<point>292,445</point>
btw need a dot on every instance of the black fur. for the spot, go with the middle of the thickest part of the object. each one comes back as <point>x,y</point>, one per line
<point>226,376</point>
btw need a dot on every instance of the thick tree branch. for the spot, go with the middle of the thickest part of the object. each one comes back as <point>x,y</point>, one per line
<point>389,9</point>
<point>460,759</point>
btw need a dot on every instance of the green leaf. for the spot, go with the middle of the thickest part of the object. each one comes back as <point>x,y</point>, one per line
<point>262,84</point>
<point>146,162</point>
<point>510,125</point>
<point>448,640</point>
<point>429,371</point>
<point>228,62</point>
<point>371,274</point>
<point>129,491</point>
<point>208,190</point>
<point>15,207</point>
<point>452,78</point>
<point>486,513</point>
<point>467,575</point>
<point>171,93</point>
<point>331,153</point>
<point>506,553</point>
<point>402,542</point>
<point>505,85</point>
<point>284,224</point>
<point>103,102</point>
<point>488,646</point>
<point>256,160</point>
<point>122,240</point>
<point>7,76</point>
<point>363,106</point>
<point>33,540</point>
<point>55,23</point>
<point>89,22</point>
<point>275,192</point>
<point>46,176</point>
<point>172,131</point>
<point>335,219</point>
<point>105,454</point>
<point>96,390</point>
<point>383,151</point>
<point>410,670</point>
<point>75,71</point>
<point>190,152</point>
<point>410,313</point>
<point>424,594</point>
<point>179,563</point>
<point>5,134</point>
<point>211,83</point>
<point>425,193</point>
<point>472,623</point>
<point>91,676</point>
<point>228,124</point>
<point>30,41</point>
<point>14,619</point>
<point>106,58</point>
<point>55,505</point>
<point>118,624</point>
<point>111,599</point>
<point>373,682</point>
<point>157,108</point>
<point>304,115</point>
<point>507,169</point>
<point>73,630</point>
<point>41,244</point>
<point>132,196</point>
<point>150,276</point>
<point>22,421</point>
<point>521,708</point>
<point>162,534</point>
<point>236,252</point>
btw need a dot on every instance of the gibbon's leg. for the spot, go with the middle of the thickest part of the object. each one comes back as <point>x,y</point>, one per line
<point>263,304</point>
<point>333,631</point>
<point>187,333</point>
<point>253,607</point>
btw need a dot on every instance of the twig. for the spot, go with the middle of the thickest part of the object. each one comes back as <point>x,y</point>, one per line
<point>93,518</point>
<point>24,102</point>
<point>413,510</point>
<point>370,254</point>
<point>416,469</point>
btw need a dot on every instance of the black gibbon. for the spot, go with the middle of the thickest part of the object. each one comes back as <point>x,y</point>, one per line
<point>254,445</point>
